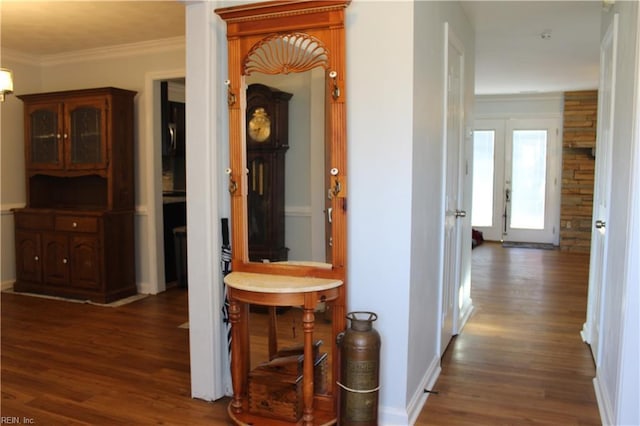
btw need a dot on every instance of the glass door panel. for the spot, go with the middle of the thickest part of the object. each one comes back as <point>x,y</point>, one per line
<point>86,136</point>
<point>45,138</point>
<point>483,182</point>
<point>528,179</point>
<point>533,168</point>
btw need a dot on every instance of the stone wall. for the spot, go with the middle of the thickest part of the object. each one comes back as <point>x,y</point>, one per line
<point>578,168</point>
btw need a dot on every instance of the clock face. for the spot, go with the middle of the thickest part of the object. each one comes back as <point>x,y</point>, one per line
<point>259,128</point>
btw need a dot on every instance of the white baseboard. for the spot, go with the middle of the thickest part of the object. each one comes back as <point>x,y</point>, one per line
<point>606,414</point>
<point>392,416</point>
<point>466,314</point>
<point>585,334</point>
<point>146,288</point>
<point>420,397</point>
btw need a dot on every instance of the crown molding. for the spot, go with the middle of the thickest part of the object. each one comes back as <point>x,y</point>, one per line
<point>19,57</point>
<point>116,51</point>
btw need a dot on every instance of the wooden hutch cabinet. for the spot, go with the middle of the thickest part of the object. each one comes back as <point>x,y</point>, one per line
<point>75,237</point>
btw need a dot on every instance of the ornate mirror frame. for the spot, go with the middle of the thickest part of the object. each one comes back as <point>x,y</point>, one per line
<point>264,37</point>
<point>250,28</point>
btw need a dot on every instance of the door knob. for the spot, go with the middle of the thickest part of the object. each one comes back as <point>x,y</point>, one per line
<point>461,213</point>
<point>601,224</point>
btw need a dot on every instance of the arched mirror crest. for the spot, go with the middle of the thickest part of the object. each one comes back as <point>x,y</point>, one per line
<point>286,53</point>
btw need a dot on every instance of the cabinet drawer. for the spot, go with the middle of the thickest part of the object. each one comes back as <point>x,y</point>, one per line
<point>77,223</point>
<point>33,221</point>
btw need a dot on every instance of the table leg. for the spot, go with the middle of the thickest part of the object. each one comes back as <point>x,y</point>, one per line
<point>238,366</point>
<point>308,319</point>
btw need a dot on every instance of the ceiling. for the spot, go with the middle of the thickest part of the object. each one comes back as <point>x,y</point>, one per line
<point>53,27</point>
<point>511,56</point>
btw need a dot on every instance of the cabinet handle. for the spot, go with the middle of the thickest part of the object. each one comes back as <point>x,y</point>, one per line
<point>66,136</point>
<point>58,136</point>
<point>36,258</point>
<point>74,224</point>
<point>65,260</point>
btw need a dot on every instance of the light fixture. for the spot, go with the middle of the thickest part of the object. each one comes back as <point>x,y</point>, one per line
<point>6,83</point>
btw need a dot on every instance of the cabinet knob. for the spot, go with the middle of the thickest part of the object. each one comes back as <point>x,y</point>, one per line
<point>74,224</point>
<point>58,135</point>
<point>65,260</point>
<point>66,136</point>
<point>36,258</point>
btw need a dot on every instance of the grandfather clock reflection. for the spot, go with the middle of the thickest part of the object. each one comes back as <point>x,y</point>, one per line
<point>267,143</point>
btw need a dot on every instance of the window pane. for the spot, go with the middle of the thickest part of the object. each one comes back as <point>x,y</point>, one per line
<point>528,175</point>
<point>482,207</point>
<point>85,136</point>
<point>44,140</point>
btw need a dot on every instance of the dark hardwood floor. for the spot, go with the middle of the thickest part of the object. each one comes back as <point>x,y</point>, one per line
<point>77,364</point>
<point>518,361</point>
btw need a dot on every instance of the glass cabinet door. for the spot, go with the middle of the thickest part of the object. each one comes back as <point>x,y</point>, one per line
<point>86,134</point>
<point>45,137</point>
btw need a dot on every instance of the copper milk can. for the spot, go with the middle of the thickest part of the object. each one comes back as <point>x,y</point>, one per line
<point>360,370</point>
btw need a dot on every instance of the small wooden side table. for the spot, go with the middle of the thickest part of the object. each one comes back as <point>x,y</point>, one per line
<point>244,288</point>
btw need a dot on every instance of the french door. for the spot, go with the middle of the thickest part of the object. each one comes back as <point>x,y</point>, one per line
<point>516,180</point>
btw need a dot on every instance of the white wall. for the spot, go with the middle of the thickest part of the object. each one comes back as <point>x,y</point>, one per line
<point>617,380</point>
<point>379,38</point>
<point>395,151</point>
<point>207,197</point>
<point>546,105</point>
<point>12,182</point>
<point>428,183</point>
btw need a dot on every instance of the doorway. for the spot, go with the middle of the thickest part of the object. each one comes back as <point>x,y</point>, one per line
<point>153,233</point>
<point>174,189</point>
<point>516,180</point>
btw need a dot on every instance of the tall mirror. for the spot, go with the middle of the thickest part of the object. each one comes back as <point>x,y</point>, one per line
<point>287,216</point>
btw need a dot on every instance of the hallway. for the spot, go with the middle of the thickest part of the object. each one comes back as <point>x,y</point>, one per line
<point>520,359</point>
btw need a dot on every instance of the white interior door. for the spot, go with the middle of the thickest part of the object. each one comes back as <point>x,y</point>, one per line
<point>453,186</point>
<point>602,184</point>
